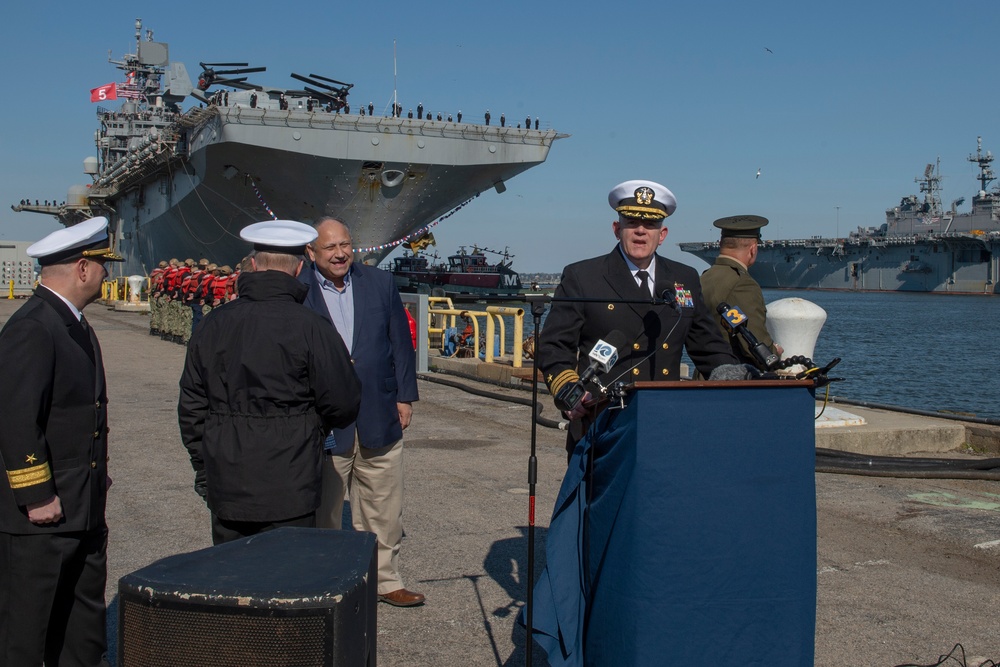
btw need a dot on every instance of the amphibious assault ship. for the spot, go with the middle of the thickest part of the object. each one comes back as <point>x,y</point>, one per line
<point>181,182</point>
<point>920,248</point>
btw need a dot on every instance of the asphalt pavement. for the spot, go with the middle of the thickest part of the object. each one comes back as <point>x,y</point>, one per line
<point>907,568</point>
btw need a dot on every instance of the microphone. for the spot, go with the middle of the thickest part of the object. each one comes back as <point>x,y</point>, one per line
<point>603,357</point>
<point>667,297</point>
<point>736,320</point>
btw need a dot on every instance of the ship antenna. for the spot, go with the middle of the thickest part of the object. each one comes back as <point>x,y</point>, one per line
<point>394,100</point>
<point>138,34</point>
<point>985,173</point>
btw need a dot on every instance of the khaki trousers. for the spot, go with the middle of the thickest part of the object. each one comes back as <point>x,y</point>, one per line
<point>373,478</point>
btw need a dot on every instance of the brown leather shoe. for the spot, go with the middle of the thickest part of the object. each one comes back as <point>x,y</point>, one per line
<point>402,598</point>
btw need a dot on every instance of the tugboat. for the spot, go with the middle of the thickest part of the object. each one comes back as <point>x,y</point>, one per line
<point>465,273</point>
<point>180,179</point>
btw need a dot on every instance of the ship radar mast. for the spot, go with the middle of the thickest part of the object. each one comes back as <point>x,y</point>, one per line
<point>930,185</point>
<point>985,173</point>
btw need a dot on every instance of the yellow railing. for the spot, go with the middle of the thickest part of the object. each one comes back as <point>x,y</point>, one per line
<point>117,289</point>
<point>443,318</point>
<point>518,314</point>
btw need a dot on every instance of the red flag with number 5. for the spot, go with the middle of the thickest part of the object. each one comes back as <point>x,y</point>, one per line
<point>102,94</point>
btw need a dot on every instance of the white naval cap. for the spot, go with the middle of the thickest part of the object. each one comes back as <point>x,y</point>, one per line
<point>644,200</point>
<point>285,236</point>
<point>84,239</point>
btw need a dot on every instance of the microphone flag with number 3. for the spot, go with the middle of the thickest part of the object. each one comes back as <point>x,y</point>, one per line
<point>108,91</point>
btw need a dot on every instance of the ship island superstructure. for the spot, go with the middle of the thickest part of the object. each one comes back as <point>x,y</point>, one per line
<point>921,247</point>
<point>182,183</point>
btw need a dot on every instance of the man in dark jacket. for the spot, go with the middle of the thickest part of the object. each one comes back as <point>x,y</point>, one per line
<point>54,448</point>
<point>264,381</point>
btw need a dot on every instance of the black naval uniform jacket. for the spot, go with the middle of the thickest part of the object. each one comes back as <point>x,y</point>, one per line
<point>656,332</point>
<point>54,436</point>
<point>264,381</point>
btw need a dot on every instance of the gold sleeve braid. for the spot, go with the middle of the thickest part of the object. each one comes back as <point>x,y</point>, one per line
<point>566,376</point>
<point>26,477</point>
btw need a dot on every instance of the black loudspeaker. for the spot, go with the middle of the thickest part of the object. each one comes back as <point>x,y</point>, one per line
<point>291,596</point>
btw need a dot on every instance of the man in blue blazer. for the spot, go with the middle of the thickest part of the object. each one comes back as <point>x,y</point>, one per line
<point>366,458</point>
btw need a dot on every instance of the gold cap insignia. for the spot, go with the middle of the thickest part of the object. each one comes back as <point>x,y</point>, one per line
<point>644,196</point>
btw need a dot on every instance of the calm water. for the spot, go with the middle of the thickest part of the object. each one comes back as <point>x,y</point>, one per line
<point>926,351</point>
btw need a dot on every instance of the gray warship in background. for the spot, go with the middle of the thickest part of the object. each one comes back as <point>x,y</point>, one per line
<point>182,183</point>
<point>920,248</point>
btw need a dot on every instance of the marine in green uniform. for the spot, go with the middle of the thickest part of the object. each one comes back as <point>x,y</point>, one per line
<point>729,281</point>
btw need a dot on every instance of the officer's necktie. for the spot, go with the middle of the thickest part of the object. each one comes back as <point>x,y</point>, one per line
<point>645,287</point>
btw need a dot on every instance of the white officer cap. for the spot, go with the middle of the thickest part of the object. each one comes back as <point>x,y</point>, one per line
<point>84,239</point>
<point>644,200</point>
<point>285,236</point>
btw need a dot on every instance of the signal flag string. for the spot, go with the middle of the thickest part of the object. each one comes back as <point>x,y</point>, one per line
<point>392,244</point>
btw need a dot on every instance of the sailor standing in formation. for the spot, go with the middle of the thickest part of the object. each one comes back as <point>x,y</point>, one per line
<point>54,448</point>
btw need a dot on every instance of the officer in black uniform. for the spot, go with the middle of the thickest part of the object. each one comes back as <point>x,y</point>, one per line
<point>631,272</point>
<point>53,445</point>
<point>264,381</point>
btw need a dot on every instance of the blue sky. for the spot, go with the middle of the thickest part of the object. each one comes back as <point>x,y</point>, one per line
<point>854,101</point>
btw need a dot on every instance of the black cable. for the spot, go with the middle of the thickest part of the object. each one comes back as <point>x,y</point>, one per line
<point>950,656</point>
<point>541,421</point>
<point>878,461</point>
<point>829,461</point>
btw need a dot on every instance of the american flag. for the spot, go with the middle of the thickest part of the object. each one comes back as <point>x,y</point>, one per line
<point>130,92</point>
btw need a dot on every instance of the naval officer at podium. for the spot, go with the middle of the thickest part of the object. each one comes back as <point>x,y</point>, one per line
<point>654,301</point>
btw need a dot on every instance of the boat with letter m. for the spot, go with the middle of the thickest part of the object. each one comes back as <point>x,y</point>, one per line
<point>465,274</point>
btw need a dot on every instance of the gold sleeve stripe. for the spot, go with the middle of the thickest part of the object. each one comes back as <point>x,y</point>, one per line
<point>38,474</point>
<point>566,376</point>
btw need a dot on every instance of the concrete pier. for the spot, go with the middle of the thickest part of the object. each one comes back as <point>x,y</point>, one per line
<point>907,568</point>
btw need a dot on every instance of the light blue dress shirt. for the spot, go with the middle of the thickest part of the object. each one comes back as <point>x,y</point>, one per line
<point>340,303</point>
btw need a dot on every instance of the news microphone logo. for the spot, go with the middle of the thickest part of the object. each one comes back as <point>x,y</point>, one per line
<point>736,320</point>
<point>734,316</point>
<point>605,354</point>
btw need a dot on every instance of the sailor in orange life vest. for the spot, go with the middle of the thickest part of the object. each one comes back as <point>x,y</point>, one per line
<point>632,271</point>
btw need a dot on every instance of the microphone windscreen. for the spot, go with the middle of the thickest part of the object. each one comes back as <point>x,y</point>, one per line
<point>732,372</point>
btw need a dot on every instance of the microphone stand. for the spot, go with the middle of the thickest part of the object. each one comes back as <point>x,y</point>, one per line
<point>537,309</point>
<point>538,304</point>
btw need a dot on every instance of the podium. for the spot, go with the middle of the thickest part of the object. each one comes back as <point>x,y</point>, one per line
<point>693,541</point>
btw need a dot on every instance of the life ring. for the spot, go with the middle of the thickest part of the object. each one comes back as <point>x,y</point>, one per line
<point>392,178</point>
